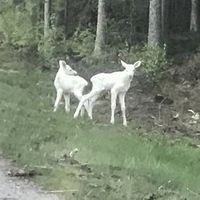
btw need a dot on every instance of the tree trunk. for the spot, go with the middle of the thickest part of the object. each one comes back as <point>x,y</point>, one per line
<point>132,37</point>
<point>66,17</point>
<point>100,33</point>
<point>164,19</point>
<point>154,32</point>
<point>194,16</point>
<point>46,18</point>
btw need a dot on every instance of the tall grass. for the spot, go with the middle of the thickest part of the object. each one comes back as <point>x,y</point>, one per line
<point>125,164</point>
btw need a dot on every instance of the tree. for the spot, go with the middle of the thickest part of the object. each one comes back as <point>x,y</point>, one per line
<point>154,31</point>
<point>46,17</point>
<point>66,15</point>
<point>164,19</point>
<point>101,25</point>
<point>194,16</point>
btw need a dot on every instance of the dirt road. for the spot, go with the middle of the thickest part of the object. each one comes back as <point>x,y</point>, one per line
<point>12,188</point>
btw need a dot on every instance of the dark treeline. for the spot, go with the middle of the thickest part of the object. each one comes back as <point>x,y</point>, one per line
<point>68,27</point>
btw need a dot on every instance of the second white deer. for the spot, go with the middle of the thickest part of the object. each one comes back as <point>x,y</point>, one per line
<point>68,82</point>
<point>117,82</point>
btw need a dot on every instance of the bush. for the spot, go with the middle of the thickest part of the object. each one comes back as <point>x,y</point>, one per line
<point>153,58</point>
<point>46,48</point>
<point>74,49</point>
<point>16,26</point>
<point>82,42</point>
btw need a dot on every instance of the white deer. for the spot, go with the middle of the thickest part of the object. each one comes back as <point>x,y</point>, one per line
<point>67,82</point>
<point>117,82</point>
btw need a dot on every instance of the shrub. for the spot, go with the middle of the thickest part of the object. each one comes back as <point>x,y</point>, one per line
<point>82,42</point>
<point>46,48</point>
<point>75,48</point>
<point>16,26</point>
<point>153,58</point>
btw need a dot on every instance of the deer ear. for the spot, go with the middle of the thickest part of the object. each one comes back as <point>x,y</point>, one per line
<point>68,67</point>
<point>137,64</point>
<point>62,63</point>
<point>125,65</point>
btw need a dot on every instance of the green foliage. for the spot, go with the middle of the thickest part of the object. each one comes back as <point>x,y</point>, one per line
<point>82,42</point>
<point>77,47</point>
<point>21,25</point>
<point>17,28</point>
<point>47,47</point>
<point>73,28</point>
<point>153,58</point>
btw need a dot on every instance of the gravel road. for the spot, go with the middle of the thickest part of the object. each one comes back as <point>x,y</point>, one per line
<point>13,188</point>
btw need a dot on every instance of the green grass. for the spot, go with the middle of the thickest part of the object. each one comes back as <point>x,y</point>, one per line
<point>125,163</point>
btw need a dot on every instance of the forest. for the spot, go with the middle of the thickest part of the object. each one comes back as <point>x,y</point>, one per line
<point>157,156</point>
<point>126,28</point>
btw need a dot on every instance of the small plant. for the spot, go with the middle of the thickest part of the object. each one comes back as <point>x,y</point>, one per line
<point>154,59</point>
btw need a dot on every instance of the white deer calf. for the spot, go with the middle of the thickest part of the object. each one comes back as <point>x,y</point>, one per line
<point>117,82</point>
<point>67,82</point>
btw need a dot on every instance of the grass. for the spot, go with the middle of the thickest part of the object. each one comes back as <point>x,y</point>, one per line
<point>113,162</point>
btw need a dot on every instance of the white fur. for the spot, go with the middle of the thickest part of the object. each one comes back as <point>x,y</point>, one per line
<point>67,82</point>
<point>117,82</point>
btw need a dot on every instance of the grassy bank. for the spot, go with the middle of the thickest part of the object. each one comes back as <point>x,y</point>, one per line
<point>112,163</point>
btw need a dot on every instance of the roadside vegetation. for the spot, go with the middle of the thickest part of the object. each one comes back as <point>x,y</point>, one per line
<point>112,162</point>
